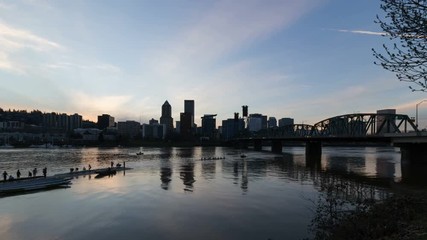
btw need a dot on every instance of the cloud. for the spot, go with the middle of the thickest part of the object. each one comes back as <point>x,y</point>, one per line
<point>12,39</point>
<point>364,32</point>
<point>226,28</point>
<point>14,44</point>
<point>92,105</point>
<point>8,65</point>
<point>71,66</point>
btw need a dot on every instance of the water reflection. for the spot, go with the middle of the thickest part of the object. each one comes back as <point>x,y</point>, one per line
<point>187,175</point>
<point>233,196</point>
<point>165,174</point>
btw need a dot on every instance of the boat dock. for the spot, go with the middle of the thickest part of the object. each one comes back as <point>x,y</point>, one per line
<point>32,184</point>
<point>90,172</point>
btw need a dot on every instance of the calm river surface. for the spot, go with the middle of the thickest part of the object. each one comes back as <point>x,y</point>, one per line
<point>172,194</point>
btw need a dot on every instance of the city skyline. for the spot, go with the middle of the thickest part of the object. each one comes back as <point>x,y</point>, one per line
<point>301,59</point>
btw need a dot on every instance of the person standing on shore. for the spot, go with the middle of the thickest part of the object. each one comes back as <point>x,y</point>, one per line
<point>4,175</point>
<point>35,172</point>
<point>18,174</point>
<point>44,171</point>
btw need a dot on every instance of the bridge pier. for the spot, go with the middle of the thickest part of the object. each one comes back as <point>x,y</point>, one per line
<point>257,144</point>
<point>413,153</point>
<point>313,153</point>
<point>276,146</point>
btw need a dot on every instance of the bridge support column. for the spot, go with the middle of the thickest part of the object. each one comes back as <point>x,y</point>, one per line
<point>413,152</point>
<point>276,146</point>
<point>313,153</point>
<point>257,144</point>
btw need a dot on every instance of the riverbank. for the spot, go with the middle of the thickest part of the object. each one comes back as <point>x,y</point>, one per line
<point>401,216</point>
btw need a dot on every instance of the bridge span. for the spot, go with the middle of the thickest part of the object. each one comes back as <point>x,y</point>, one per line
<point>362,128</point>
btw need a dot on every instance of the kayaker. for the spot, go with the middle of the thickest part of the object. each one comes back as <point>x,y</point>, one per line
<point>4,175</point>
<point>18,174</point>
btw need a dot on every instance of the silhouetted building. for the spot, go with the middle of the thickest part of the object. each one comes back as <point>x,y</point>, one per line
<point>130,129</point>
<point>186,125</point>
<point>209,126</point>
<point>153,121</point>
<point>245,110</point>
<point>105,121</point>
<point>166,117</point>
<point>257,122</point>
<point>272,122</point>
<point>75,121</point>
<point>189,108</point>
<point>231,128</point>
<point>153,131</point>
<point>11,125</point>
<point>61,122</point>
<point>178,127</point>
<point>286,122</point>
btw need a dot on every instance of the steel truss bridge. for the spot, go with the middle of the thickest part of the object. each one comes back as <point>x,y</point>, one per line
<point>394,129</point>
<point>349,125</point>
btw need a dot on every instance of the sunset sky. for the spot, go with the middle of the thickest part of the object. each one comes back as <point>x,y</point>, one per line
<point>304,59</point>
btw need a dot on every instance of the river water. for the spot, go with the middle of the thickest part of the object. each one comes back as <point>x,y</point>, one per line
<point>171,193</point>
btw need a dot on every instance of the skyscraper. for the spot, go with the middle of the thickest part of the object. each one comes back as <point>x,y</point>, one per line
<point>189,108</point>
<point>185,126</point>
<point>166,117</point>
<point>209,125</point>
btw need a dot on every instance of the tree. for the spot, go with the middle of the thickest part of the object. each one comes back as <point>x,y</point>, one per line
<point>405,23</point>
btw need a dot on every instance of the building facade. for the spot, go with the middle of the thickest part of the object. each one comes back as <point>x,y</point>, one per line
<point>272,122</point>
<point>130,129</point>
<point>190,109</point>
<point>257,122</point>
<point>105,121</point>
<point>231,128</point>
<point>166,117</point>
<point>286,122</point>
<point>209,126</point>
<point>186,125</point>
<point>153,131</point>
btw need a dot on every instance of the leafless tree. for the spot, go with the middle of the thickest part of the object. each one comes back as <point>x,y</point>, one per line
<point>405,24</point>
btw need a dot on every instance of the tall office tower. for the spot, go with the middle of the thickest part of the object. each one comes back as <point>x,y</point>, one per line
<point>209,125</point>
<point>166,117</point>
<point>105,121</point>
<point>185,126</point>
<point>189,108</point>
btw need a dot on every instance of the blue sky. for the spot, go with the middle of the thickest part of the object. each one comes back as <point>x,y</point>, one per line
<point>305,59</point>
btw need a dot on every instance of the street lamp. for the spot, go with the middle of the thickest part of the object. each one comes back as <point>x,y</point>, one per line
<point>416,112</point>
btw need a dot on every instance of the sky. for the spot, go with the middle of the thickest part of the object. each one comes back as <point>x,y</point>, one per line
<point>304,59</point>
